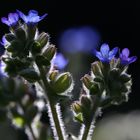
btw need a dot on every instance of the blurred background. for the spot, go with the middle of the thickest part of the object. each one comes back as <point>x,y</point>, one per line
<point>76,28</point>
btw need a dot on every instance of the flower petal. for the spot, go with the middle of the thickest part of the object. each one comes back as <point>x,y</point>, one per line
<point>13,18</point>
<point>104,50</point>
<point>98,54</point>
<point>125,52</point>
<point>113,52</point>
<point>42,17</point>
<point>33,13</point>
<point>132,59</point>
<point>60,61</point>
<point>22,15</point>
<point>5,21</point>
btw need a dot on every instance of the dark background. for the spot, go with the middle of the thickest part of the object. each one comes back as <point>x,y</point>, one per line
<point>117,21</point>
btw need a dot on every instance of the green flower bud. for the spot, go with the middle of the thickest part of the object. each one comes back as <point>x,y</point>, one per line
<point>85,102</point>
<point>30,75</point>
<point>76,107</point>
<point>20,34</point>
<point>10,37</point>
<point>87,81</point>
<point>16,46</point>
<point>41,60</point>
<point>50,52</point>
<point>125,77</point>
<point>96,68</point>
<point>62,83</point>
<point>36,48</point>
<point>43,39</point>
<point>31,31</point>
<point>53,75</point>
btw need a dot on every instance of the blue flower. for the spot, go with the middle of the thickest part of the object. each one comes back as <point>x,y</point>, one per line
<point>2,69</point>
<point>59,61</point>
<point>12,19</point>
<point>32,17</point>
<point>124,57</point>
<point>2,44</point>
<point>105,55</point>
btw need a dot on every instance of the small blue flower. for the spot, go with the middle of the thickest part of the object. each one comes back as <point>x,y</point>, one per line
<point>124,57</point>
<point>105,55</point>
<point>59,61</point>
<point>2,69</point>
<point>32,17</point>
<point>12,19</point>
<point>2,44</point>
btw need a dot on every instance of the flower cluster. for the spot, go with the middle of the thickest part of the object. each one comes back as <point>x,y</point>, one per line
<point>33,67</point>
<point>31,18</point>
<point>105,55</point>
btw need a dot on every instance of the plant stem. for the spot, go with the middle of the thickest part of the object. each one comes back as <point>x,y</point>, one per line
<point>31,130</point>
<point>28,125</point>
<point>88,126</point>
<point>48,91</point>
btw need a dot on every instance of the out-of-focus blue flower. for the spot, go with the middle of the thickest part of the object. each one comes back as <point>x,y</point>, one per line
<point>2,67</point>
<point>59,61</point>
<point>12,19</point>
<point>2,44</point>
<point>32,17</point>
<point>82,39</point>
<point>105,55</point>
<point>124,57</point>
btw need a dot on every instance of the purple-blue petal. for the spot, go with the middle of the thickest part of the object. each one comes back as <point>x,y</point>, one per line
<point>60,61</point>
<point>104,50</point>
<point>5,21</point>
<point>42,17</point>
<point>125,52</point>
<point>22,15</point>
<point>32,13</point>
<point>13,18</point>
<point>98,54</point>
<point>113,52</point>
<point>132,59</point>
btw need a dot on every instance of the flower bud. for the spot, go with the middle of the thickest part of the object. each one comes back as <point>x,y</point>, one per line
<point>10,37</point>
<point>63,83</point>
<point>53,75</point>
<point>30,74</point>
<point>50,52</point>
<point>125,77</point>
<point>20,34</point>
<point>36,48</point>
<point>43,39</point>
<point>96,68</point>
<point>87,81</point>
<point>85,102</point>
<point>76,107</point>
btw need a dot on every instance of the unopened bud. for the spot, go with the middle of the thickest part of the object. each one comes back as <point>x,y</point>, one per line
<point>87,81</point>
<point>125,77</point>
<point>85,102</point>
<point>20,34</point>
<point>53,75</point>
<point>96,68</point>
<point>63,83</point>
<point>76,107</point>
<point>50,52</point>
<point>43,39</point>
<point>10,37</point>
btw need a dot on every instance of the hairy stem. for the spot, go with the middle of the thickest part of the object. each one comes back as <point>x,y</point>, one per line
<point>51,104</point>
<point>32,132</point>
<point>89,127</point>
